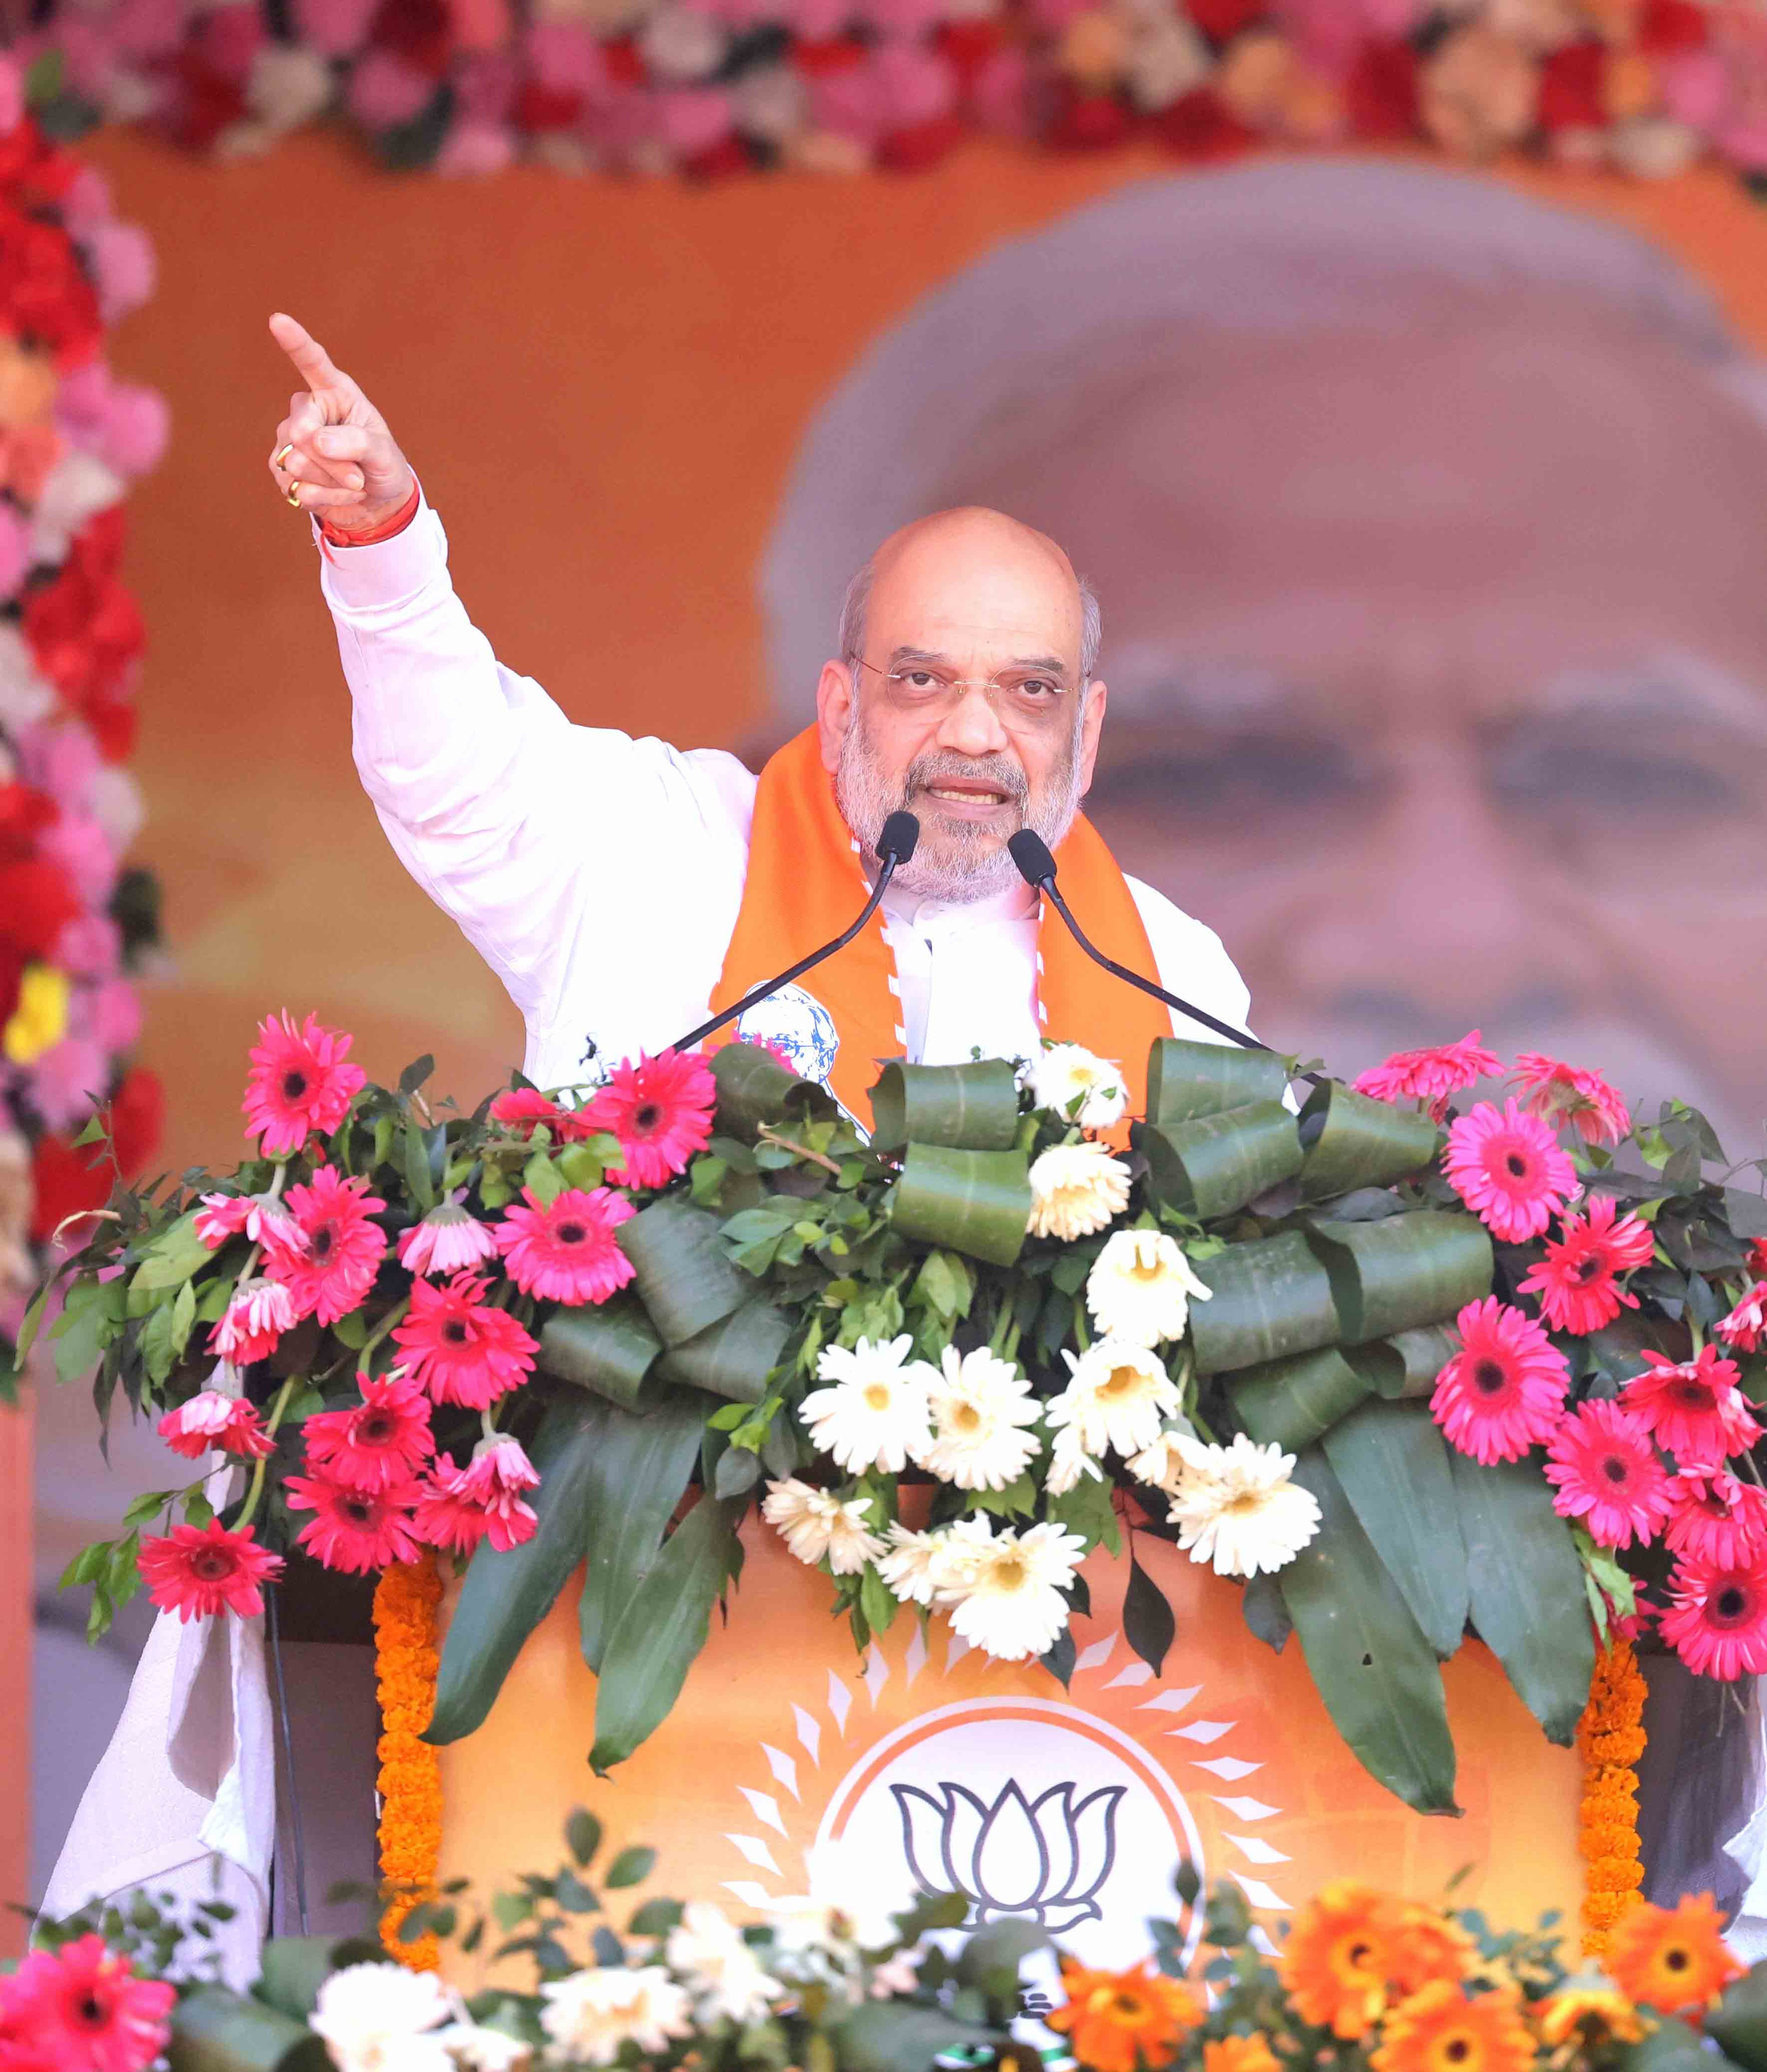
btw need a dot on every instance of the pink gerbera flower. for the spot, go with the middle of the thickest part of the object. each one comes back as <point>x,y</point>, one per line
<point>1432,1075</point>
<point>1746,1326</point>
<point>523,1109</point>
<point>660,1109</point>
<point>460,1506</point>
<point>1606,1472</point>
<point>1695,1408</point>
<point>1715,1517</point>
<point>446,1240</point>
<point>334,1269</point>
<point>84,2009</point>
<point>1717,1619</point>
<point>299,1083</point>
<point>199,1572</point>
<point>257,1217</point>
<point>567,1252</point>
<point>378,1443</point>
<point>1577,1281</point>
<point>257,1314</point>
<point>1562,1093</point>
<point>354,1530</point>
<point>1504,1391</point>
<point>462,1348</point>
<point>212,1422</point>
<point>1508,1169</point>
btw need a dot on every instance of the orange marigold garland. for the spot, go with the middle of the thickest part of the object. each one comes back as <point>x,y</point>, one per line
<point>1610,1738</point>
<point>405,1659</point>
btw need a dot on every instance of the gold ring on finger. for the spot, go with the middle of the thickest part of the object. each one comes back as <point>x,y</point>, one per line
<point>294,495</point>
<point>281,458</point>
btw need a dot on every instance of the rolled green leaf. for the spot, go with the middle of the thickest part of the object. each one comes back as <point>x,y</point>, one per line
<point>1738,2024</point>
<point>754,1087</point>
<point>1369,1658</point>
<point>1672,2046</point>
<point>505,1596</point>
<point>640,1473</point>
<point>966,1108</point>
<point>1289,1403</point>
<point>1352,1141</point>
<point>1392,1464</point>
<point>1406,1364</point>
<point>733,1357</point>
<point>683,1275</point>
<point>663,1628</point>
<point>215,2030</point>
<point>1215,1164</point>
<point>896,2035</point>
<point>1186,1078</point>
<point>1528,1605</point>
<point>609,1348</point>
<point>1269,1298</point>
<point>973,1202</point>
<point>1404,1271</point>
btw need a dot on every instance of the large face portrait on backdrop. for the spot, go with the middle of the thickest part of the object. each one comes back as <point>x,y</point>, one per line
<point>1430,524</point>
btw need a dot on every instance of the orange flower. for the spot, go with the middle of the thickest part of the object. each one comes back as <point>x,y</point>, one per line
<point>1240,2054</point>
<point>1118,2020</point>
<point>1337,1964</point>
<point>1588,2016</point>
<point>1675,1961</point>
<point>1427,1947</point>
<point>1444,2029</point>
<point>405,1601</point>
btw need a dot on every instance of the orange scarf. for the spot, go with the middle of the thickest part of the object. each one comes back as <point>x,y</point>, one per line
<point>806,882</point>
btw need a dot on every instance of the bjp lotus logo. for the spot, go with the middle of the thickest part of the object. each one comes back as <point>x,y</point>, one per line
<point>1044,1859</point>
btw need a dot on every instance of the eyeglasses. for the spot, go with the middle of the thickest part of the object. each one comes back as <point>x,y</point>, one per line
<point>924,687</point>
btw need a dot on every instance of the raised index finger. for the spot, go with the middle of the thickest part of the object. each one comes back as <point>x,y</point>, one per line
<point>310,357</point>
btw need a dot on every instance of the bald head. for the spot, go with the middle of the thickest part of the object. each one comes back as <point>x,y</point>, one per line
<point>973,549</point>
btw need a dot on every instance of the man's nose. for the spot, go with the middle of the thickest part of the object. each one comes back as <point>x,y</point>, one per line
<point>1436,898</point>
<point>972,726</point>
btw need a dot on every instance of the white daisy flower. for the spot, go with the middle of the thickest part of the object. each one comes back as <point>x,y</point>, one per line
<point>590,2014</point>
<point>1140,1287</point>
<point>1068,1462</point>
<point>1086,1089</point>
<point>913,1564</point>
<point>980,1404</point>
<point>1118,1396</point>
<point>817,1525</point>
<point>1235,1506</point>
<point>1076,1189</point>
<point>382,2015</point>
<point>472,2049</point>
<point>1008,1599</point>
<point>1160,1464</point>
<point>875,1414</point>
<point>721,1970</point>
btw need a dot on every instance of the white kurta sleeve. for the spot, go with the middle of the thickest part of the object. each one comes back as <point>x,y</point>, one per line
<point>516,822</point>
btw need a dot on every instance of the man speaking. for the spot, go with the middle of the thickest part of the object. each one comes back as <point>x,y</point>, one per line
<point>621,889</point>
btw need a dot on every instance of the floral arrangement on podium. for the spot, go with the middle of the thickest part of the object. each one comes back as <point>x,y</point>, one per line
<point>835,1983</point>
<point>73,922</point>
<point>1402,1373</point>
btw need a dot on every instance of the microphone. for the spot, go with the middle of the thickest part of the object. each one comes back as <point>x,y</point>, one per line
<point>895,846</point>
<point>1037,867</point>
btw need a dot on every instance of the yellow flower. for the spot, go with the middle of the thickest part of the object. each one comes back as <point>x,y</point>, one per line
<point>40,1021</point>
<point>1588,2015</point>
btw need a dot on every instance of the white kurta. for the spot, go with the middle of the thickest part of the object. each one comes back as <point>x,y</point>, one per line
<point>600,877</point>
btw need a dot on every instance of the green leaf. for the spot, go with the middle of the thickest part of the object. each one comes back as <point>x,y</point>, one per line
<point>505,1596</point>
<point>1392,1463</point>
<point>1672,2046</point>
<point>1404,1271</point>
<point>655,1917</point>
<point>90,1319</point>
<point>292,1968</point>
<point>542,1179</point>
<point>609,1347</point>
<point>897,2036</point>
<point>754,1087</point>
<point>681,1269</point>
<point>641,1469</point>
<point>631,1866</point>
<point>582,1836</point>
<point>415,1074</point>
<point>662,1629</point>
<point>1352,1141</point>
<point>1264,1613</point>
<point>734,1357</point>
<point>964,1108</point>
<point>215,2030</point>
<point>1289,1403</point>
<point>1270,1297</point>
<point>1186,1078</point>
<point>1147,1624</point>
<point>973,1202</point>
<point>173,1257</point>
<point>1369,1658</point>
<point>1527,1588</point>
<point>1738,2024</point>
<point>580,1167</point>
<point>1405,1365</point>
<point>1215,1164</point>
<point>417,1168</point>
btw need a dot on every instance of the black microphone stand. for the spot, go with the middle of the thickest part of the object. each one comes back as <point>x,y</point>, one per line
<point>895,847</point>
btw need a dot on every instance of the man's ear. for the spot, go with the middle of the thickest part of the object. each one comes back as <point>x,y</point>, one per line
<point>1092,726</point>
<point>835,696</point>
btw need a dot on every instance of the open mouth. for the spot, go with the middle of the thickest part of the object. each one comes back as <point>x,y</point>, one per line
<point>968,795</point>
